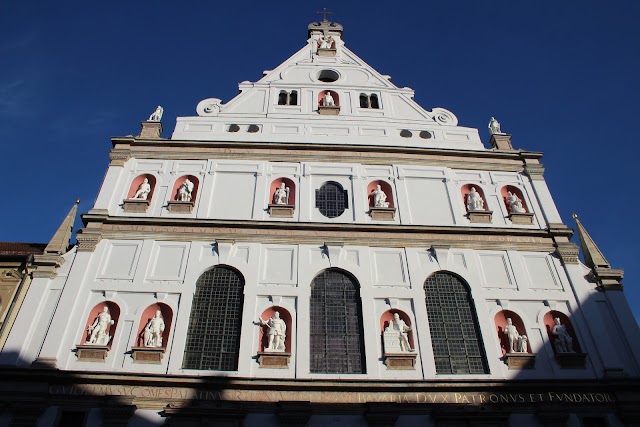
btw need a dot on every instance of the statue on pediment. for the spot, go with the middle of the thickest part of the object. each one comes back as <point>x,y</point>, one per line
<point>185,191</point>
<point>563,342</point>
<point>281,195</point>
<point>143,190</point>
<point>153,331</point>
<point>328,100</point>
<point>99,327</point>
<point>494,127</point>
<point>379,198</point>
<point>277,332</point>
<point>156,116</point>
<point>396,336</point>
<point>474,201</point>
<point>514,203</point>
<point>326,42</point>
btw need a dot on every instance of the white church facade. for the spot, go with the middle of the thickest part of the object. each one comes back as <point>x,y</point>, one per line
<point>321,250</point>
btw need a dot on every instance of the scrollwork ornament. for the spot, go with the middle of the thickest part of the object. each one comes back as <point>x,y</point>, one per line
<point>209,107</point>
<point>444,117</point>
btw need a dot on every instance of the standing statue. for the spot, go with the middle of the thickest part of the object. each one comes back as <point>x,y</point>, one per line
<point>153,331</point>
<point>326,42</point>
<point>514,203</point>
<point>379,198</point>
<point>99,328</point>
<point>494,127</point>
<point>143,190</point>
<point>156,116</point>
<point>185,190</point>
<point>474,201</point>
<point>512,334</point>
<point>328,100</point>
<point>402,328</point>
<point>277,332</point>
<point>564,342</point>
<point>281,195</point>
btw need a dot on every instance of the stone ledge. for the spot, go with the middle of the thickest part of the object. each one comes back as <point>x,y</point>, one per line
<point>135,205</point>
<point>281,211</point>
<point>147,355</point>
<point>328,111</point>
<point>517,361</point>
<point>480,217</point>
<point>383,214</point>
<point>400,361</point>
<point>572,360</point>
<point>274,360</point>
<point>177,206</point>
<point>92,352</point>
<point>521,218</point>
<point>326,52</point>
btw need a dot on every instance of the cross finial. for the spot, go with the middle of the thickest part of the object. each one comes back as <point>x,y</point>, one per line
<point>325,13</point>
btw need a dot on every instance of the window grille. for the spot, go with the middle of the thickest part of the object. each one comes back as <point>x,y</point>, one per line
<point>213,337</point>
<point>336,343</point>
<point>455,334</point>
<point>331,200</point>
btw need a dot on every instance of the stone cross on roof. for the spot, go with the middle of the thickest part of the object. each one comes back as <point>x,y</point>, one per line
<point>325,13</point>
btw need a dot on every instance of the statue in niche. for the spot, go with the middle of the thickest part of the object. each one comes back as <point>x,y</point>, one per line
<point>514,203</point>
<point>328,100</point>
<point>474,201</point>
<point>281,195</point>
<point>277,332</point>
<point>185,190</point>
<point>517,342</point>
<point>326,42</point>
<point>563,342</point>
<point>143,190</point>
<point>379,198</point>
<point>153,331</point>
<point>494,127</point>
<point>156,116</point>
<point>99,328</point>
<point>396,338</point>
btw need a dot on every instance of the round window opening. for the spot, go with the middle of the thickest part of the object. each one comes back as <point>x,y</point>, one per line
<point>328,76</point>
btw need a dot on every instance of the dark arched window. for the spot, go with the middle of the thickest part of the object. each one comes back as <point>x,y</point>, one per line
<point>293,98</point>
<point>374,101</point>
<point>364,101</point>
<point>282,98</point>
<point>331,200</point>
<point>455,334</point>
<point>213,337</point>
<point>336,342</point>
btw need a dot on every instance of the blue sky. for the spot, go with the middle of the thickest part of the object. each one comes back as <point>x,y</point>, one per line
<point>562,78</point>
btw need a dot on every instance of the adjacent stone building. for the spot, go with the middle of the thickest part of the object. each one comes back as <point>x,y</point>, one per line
<point>321,250</point>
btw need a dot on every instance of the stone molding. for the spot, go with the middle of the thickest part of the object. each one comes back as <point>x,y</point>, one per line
<point>521,218</point>
<point>518,361</point>
<point>147,355</point>
<point>274,360</point>
<point>400,361</point>
<point>480,217</point>
<point>119,157</point>
<point>568,252</point>
<point>177,206</point>
<point>87,241</point>
<point>47,265</point>
<point>328,111</point>
<point>92,352</point>
<point>535,172</point>
<point>383,214</point>
<point>281,211</point>
<point>136,205</point>
<point>327,52</point>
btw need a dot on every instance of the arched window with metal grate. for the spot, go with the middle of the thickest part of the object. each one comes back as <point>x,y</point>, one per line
<point>336,341</point>
<point>331,200</point>
<point>455,333</point>
<point>213,337</point>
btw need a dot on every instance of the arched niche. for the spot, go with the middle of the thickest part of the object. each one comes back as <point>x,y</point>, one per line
<point>387,318</point>
<point>148,314</point>
<point>114,312</point>
<point>135,184</point>
<point>549,324</point>
<point>384,186</point>
<point>176,187</point>
<point>288,183</point>
<point>500,320</point>
<point>264,337</point>
<point>334,95</point>
<point>466,189</point>
<point>504,192</point>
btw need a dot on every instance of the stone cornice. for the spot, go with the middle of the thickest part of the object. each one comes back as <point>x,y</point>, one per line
<point>100,227</point>
<point>494,160</point>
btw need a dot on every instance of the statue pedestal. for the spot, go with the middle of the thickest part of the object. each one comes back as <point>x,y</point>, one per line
<point>328,111</point>
<point>383,214</point>
<point>148,355</point>
<point>326,52</point>
<point>521,218</point>
<point>520,360</point>
<point>572,360</point>
<point>501,141</point>
<point>135,205</point>
<point>281,211</point>
<point>274,360</point>
<point>150,130</point>
<point>400,361</point>
<point>176,206</point>
<point>92,352</point>
<point>481,217</point>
